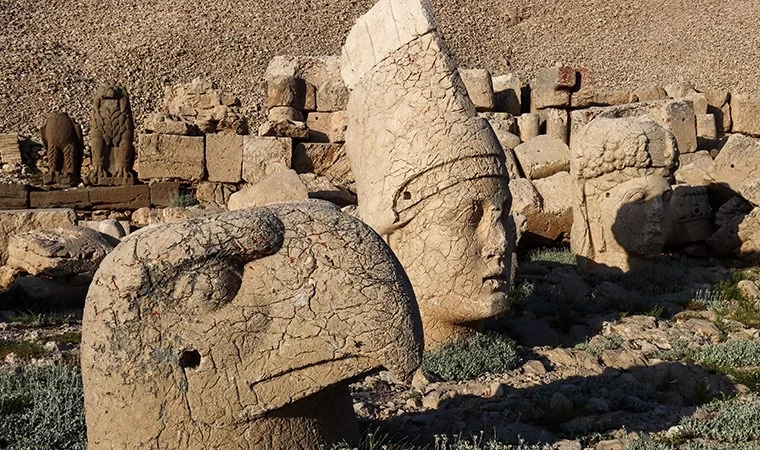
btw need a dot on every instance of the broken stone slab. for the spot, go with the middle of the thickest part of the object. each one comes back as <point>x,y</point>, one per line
<point>120,197</point>
<point>280,113</point>
<point>615,97</point>
<point>263,156</point>
<point>554,220</point>
<point>583,93</point>
<point>171,156</point>
<point>72,198</point>
<point>14,222</point>
<point>479,88</point>
<point>691,215</point>
<point>328,160</point>
<point>327,126</point>
<point>528,126</point>
<point>116,229</point>
<point>214,194</point>
<point>676,116</point>
<point>10,149</point>
<point>282,186</point>
<point>718,104</point>
<point>738,161</point>
<point>284,128</point>
<point>62,252</point>
<point>224,157</point>
<point>739,236</point>
<point>745,114</point>
<point>321,188</point>
<point>696,171</point>
<point>161,123</point>
<point>542,157</point>
<point>321,74</point>
<point>650,93</point>
<point>707,131</point>
<point>552,87</point>
<point>14,196</point>
<point>507,91</point>
<point>290,91</point>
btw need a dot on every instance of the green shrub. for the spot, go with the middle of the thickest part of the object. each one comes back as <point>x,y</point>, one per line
<point>42,408</point>
<point>22,349</point>
<point>183,200</point>
<point>728,421</point>
<point>554,255</point>
<point>469,358</point>
<point>612,342</point>
<point>735,353</point>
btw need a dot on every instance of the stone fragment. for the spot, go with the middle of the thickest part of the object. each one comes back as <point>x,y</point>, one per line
<point>749,289</point>
<point>321,188</point>
<point>528,126</point>
<point>676,116</point>
<point>507,90</point>
<point>171,156</point>
<point>161,123</point>
<point>280,113</point>
<point>165,194</point>
<point>328,160</point>
<point>14,195</point>
<point>500,121</point>
<point>557,124</point>
<point>285,129</point>
<point>111,137</point>
<point>215,194</point>
<point>699,100</point>
<point>110,227</point>
<point>679,89</point>
<point>281,186</point>
<point>120,197</point>
<point>72,198</point>
<point>327,126</point>
<point>479,87</point>
<point>718,104</point>
<point>554,220</point>
<point>287,91</point>
<point>322,74</point>
<point>206,108</point>
<point>164,347</point>
<point>695,171</point>
<point>59,252</point>
<point>263,156</point>
<point>64,149</point>
<point>224,157</point>
<point>425,163</point>
<point>543,156</point>
<point>691,215</point>
<point>612,97</point>
<point>552,86</point>
<point>10,149</point>
<point>707,131</point>
<point>650,93</point>
<point>583,91</point>
<point>620,170</point>
<point>737,162</point>
<point>14,222</point>
<point>745,113</point>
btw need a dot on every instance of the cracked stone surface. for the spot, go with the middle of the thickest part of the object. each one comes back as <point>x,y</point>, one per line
<point>430,174</point>
<point>243,330</point>
<point>621,192</point>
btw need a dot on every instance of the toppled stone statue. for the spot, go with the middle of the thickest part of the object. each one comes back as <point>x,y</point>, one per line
<point>111,137</point>
<point>64,148</point>
<point>621,193</point>
<point>430,174</point>
<point>243,330</point>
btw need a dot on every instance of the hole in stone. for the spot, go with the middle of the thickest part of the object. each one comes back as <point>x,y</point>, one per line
<point>732,166</point>
<point>407,195</point>
<point>190,359</point>
<point>607,195</point>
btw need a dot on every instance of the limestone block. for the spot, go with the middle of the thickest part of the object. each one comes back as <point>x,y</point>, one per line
<point>679,89</point>
<point>552,86</point>
<point>214,194</point>
<point>263,156</point>
<point>224,157</point>
<point>650,93</point>
<point>542,157</point>
<point>160,123</point>
<point>738,161</point>
<point>281,186</point>
<point>327,126</point>
<point>10,150</point>
<point>718,105</point>
<point>507,91</point>
<point>740,236</point>
<point>699,100</point>
<point>584,91</point>
<point>171,156</point>
<point>110,227</point>
<point>13,222</point>
<point>120,197</point>
<point>556,216</point>
<point>615,97</point>
<point>479,87</point>
<point>276,307</point>
<point>525,198</point>
<point>14,195</point>
<point>328,160</point>
<point>288,91</point>
<point>325,88</point>
<point>504,122</point>
<point>323,189</point>
<point>284,128</point>
<point>508,142</point>
<point>691,215</point>
<point>707,132</point>
<point>676,116</point>
<point>72,198</point>
<point>59,252</point>
<point>280,113</point>
<point>528,126</point>
<point>745,113</point>
<point>557,125</point>
<point>696,171</point>
<point>164,194</point>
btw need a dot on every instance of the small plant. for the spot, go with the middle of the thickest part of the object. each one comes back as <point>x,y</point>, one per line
<point>471,357</point>
<point>601,343</point>
<point>553,255</point>
<point>183,200</point>
<point>22,349</point>
<point>735,353</point>
<point>518,295</point>
<point>728,421</point>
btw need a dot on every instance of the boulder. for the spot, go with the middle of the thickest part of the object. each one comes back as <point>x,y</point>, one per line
<point>737,162</point>
<point>14,222</point>
<point>479,87</point>
<point>745,113</point>
<point>283,186</point>
<point>263,156</point>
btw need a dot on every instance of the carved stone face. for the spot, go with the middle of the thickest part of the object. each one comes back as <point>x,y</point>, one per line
<point>456,253</point>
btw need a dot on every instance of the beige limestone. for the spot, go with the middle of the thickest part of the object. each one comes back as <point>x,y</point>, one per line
<point>321,74</point>
<point>697,172</point>
<point>280,113</point>
<point>58,252</point>
<point>242,331</point>
<point>552,86</point>
<point>555,218</point>
<point>214,194</point>
<point>116,229</point>
<point>263,156</point>
<point>528,126</point>
<point>327,126</point>
<point>285,129</point>
<point>543,156</point>
<point>224,157</point>
<point>718,105</point>
<point>479,87</point>
<point>322,188</point>
<point>281,186</point>
<point>328,160</point>
<point>614,97</point>
<point>745,113</point>
<point>10,150</point>
<point>676,116</point>
<point>507,91</point>
<point>737,162</point>
<point>557,125</point>
<point>583,92</point>
<point>430,174</point>
<point>692,215</point>
<point>171,156</point>
<point>650,93</point>
<point>621,194</point>
<point>13,222</point>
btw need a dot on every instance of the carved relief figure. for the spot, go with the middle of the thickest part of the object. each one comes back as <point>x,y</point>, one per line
<point>430,174</point>
<point>621,198</point>
<point>64,148</point>
<point>243,330</point>
<point>111,137</point>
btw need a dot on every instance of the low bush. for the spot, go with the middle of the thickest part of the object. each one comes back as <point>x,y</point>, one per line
<point>553,255</point>
<point>469,358</point>
<point>728,421</point>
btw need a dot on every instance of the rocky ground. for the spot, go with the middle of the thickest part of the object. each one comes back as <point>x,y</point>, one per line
<point>651,360</point>
<point>55,53</point>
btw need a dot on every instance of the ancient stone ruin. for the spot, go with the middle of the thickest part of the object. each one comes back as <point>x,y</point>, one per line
<point>64,145</point>
<point>111,138</point>
<point>243,330</point>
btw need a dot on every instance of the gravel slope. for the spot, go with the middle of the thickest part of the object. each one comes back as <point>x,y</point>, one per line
<point>54,52</point>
